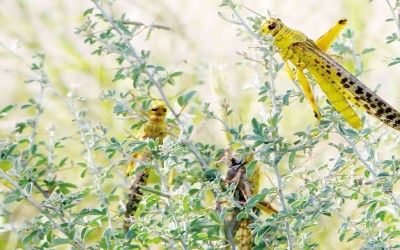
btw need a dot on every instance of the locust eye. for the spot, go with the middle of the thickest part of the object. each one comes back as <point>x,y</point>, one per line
<point>154,109</point>
<point>164,110</point>
<point>272,26</point>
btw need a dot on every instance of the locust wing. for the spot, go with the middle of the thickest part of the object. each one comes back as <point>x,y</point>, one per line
<point>338,83</point>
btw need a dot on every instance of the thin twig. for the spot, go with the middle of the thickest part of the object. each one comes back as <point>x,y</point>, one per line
<point>91,162</point>
<point>75,242</point>
<point>360,157</point>
<point>136,56</point>
<point>396,18</point>
<point>274,111</point>
<point>153,25</point>
<point>165,189</point>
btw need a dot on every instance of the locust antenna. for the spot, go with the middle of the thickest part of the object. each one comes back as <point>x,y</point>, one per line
<point>253,11</point>
<point>269,14</point>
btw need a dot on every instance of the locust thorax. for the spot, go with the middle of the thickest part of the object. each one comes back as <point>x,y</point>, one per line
<point>283,35</point>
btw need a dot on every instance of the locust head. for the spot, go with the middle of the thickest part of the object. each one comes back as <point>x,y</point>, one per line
<point>271,26</point>
<point>158,112</point>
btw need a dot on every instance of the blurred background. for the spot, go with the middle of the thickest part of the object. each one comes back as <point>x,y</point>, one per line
<point>201,44</point>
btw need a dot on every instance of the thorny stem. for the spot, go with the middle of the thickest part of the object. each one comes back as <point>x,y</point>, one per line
<point>152,26</point>
<point>164,183</point>
<point>365,163</point>
<point>75,242</point>
<point>153,191</point>
<point>46,195</point>
<point>84,130</point>
<point>283,202</point>
<point>244,24</point>
<point>272,84</point>
<point>270,71</point>
<point>39,111</point>
<point>42,80</point>
<point>133,52</point>
<point>396,18</point>
<point>274,111</point>
<point>6,214</point>
<point>355,227</point>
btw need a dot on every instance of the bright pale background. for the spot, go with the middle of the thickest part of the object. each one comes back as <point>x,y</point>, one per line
<point>201,44</point>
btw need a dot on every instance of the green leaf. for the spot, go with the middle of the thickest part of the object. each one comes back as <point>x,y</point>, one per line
<point>12,197</point>
<point>30,238</point>
<point>342,235</point>
<point>28,188</point>
<point>65,187</point>
<point>107,234</point>
<point>367,50</point>
<point>354,236</point>
<point>250,168</point>
<point>242,215</point>
<point>176,74</point>
<point>256,127</point>
<point>228,3</point>
<point>393,234</point>
<point>7,108</point>
<point>292,156</point>
<point>184,100</point>
<point>260,235</point>
<point>186,203</point>
<point>394,61</point>
<point>383,174</point>
<point>253,201</point>
<point>26,106</point>
<point>6,153</point>
<point>88,11</point>
<point>123,27</point>
<point>381,215</point>
<point>60,241</point>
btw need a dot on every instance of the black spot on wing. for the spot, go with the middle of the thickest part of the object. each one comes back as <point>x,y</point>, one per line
<point>359,90</point>
<point>380,112</point>
<point>391,117</point>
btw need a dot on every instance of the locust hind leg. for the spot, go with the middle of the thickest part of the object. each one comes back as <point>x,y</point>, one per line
<point>326,40</point>
<point>305,85</point>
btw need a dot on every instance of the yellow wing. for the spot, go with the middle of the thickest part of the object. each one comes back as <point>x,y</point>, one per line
<point>353,89</point>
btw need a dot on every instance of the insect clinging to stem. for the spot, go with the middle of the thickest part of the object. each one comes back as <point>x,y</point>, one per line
<point>155,128</point>
<point>339,85</point>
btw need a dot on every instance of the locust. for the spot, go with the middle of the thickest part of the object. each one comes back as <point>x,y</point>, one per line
<point>155,128</point>
<point>246,187</point>
<point>340,86</point>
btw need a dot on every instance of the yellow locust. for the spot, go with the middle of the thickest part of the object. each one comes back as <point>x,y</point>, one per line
<point>336,82</point>
<point>156,127</point>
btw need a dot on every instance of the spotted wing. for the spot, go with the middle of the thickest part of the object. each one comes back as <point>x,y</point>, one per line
<point>352,88</point>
